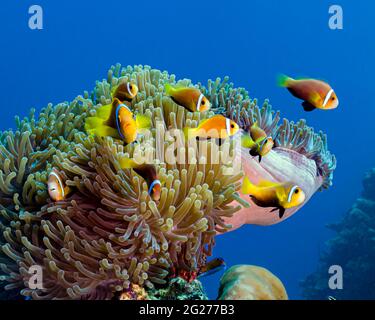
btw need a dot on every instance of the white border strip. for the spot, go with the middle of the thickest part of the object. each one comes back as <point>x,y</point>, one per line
<point>199,102</point>
<point>227,125</point>
<point>291,193</point>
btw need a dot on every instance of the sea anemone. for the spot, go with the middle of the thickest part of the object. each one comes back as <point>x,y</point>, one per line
<point>108,229</point>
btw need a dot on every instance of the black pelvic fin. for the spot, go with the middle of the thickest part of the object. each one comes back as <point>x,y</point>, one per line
<point>260,158</point>
<point>219,142</point>
<point>281,212</point>
<point>307,106</point>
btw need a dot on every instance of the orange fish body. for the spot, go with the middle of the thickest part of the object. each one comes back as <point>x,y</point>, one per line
<point>117,120</point>
<point>125,122</point>
<point>316,94</point>
<point>188,97</point>
<point>216,127</point>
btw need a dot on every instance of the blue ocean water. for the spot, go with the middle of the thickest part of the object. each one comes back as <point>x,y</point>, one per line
<point>251,41</point>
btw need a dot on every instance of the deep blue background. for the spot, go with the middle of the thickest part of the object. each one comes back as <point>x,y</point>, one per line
<point>251,41</point>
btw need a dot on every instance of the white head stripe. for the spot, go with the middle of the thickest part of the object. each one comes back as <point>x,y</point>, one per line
<point>227,125</point>
<point>291,193</point>
<point>59,181</point>
<point>129,91</point>
<point>199,101</point>
<point>328,96</point>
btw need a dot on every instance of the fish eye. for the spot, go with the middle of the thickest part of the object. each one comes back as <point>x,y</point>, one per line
<point>232,126</point>
<point>296,191</point>
<point>203,102</point>
<point>333,98</point>
<point>131,87</point>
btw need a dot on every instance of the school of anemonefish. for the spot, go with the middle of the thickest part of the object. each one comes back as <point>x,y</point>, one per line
<point>118,121</point>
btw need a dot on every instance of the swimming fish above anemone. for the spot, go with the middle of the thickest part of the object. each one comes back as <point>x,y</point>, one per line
<point>212,267</point>
<point>148,173</point>
<point>188,97</point>
<point>257,141</point>
<point>216,127</point>
<point>125,91</point>
<point>57,189</point>
<point>280,196</point>
<point>117,120</point>
<point>316,94</point>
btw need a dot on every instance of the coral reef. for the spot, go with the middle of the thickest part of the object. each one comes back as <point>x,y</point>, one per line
<point>352,248</point>
<point>246,282</point>
<point>179,289</point>
<point>108,229</point>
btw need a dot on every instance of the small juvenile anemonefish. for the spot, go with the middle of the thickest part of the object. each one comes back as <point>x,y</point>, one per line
<point>216,127</point>
<point>257,141</point>
<point>117,120</point>
<point>280,196</point>
<point>316,94</point>
<point>148,173</point>
<point>188,97</point>
<point>125,91</point>
<point>212,267</point>
<point>57,189</point>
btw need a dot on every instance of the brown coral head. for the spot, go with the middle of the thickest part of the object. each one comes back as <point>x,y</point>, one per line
<point>246,282</point>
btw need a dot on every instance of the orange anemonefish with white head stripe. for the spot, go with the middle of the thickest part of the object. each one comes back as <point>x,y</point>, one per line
<point>316,94</point>
<point>189,97</point>
<point>57,189</point>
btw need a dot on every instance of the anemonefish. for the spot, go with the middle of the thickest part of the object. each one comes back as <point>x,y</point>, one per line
<point>216,127</point>
<point>57,189</point>
<point>125,91</point>
<point>280,196</point>
<point>148,173</point>
<point>316,94</point>
<point>117,120</point>
<point>257,141</point>
<point>188,97</point>
<point>212,267</point>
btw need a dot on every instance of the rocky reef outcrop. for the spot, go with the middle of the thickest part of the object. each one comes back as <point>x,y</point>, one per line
<point>352,248</point>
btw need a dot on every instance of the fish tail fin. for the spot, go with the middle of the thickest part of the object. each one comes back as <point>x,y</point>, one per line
<point>142,121</point>
<point>283,80</point>
<point>247,141</point>
<point>92,123</point>
<point>247,186</point>
<point>126,163</point>
<point>168,89</point>
<point>104,112</point>
<point>96,126</point>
